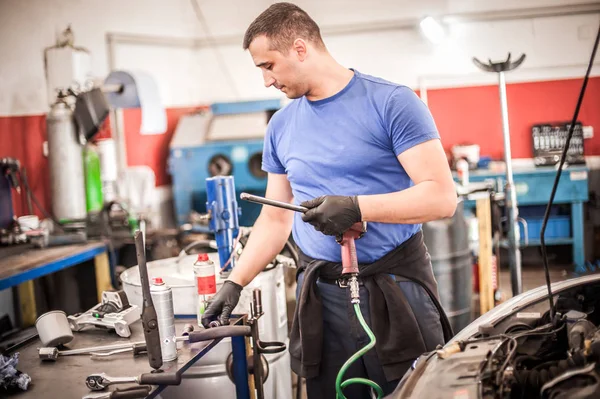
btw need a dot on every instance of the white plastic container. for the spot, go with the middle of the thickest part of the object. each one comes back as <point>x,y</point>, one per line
<point>53,328</point>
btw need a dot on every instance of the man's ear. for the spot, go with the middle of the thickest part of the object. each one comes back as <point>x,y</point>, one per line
<point>300,49</point>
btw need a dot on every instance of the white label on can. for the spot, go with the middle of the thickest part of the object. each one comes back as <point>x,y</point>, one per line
<point>578,175</point>
<point>528,315</point>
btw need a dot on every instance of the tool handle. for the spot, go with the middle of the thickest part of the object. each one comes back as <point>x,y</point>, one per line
<point>271,202</point>
<point>143,268</point>
<point>160,378</point>
<point>131,393</point>
<point>219,332</point>
<point>349,258</point>
<point>149,318</point>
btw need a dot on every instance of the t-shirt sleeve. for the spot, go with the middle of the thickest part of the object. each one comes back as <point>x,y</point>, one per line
<point>408,120</point>
<point>270,160</point>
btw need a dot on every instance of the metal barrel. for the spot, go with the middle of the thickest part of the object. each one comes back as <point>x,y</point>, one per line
<point>447,241</point>
<point>162,296</point>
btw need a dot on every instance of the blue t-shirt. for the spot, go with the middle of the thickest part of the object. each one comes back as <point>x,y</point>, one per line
<point>348,144</point>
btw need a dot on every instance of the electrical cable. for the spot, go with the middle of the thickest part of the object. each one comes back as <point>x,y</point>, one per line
<point>558,174</point>
<point>339,385</point>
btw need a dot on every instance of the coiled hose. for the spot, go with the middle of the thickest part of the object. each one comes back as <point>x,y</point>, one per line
<point>339,384</point>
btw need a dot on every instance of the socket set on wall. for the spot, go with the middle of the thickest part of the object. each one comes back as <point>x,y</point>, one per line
<point>549,140</point>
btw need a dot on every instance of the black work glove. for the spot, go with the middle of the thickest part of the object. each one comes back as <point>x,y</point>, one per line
<point>332,215</point>
<point>222,304</point>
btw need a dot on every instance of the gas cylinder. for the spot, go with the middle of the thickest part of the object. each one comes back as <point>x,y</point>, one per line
<point>65,159</point>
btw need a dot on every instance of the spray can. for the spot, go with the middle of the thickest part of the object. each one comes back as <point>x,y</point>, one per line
<point>162,297</point>
<point>462,170</point>
<point>204,273</point>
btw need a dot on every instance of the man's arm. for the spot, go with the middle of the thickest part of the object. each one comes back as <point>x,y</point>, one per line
<point>269,234</point>
<point>432,197</point>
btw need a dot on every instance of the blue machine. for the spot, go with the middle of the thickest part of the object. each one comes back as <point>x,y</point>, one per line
<point>223,211</point>
<point>199,152</point>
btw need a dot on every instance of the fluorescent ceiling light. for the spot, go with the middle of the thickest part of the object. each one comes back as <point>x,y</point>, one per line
<point>432,30</point>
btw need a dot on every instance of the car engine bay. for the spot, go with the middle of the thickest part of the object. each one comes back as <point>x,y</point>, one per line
<point>525,355</point>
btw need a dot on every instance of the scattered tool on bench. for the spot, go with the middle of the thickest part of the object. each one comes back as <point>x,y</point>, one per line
<point>100,381</point>
<point>129,393</point>
<point>149,318</point>
<point>51,353</point>
<point>114,312</point>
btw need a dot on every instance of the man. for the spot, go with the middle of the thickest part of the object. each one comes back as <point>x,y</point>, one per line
<point>352,148</point>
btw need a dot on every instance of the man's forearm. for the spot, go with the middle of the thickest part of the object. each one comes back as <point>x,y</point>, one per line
<point>421,203</point>
<point>266,240</point>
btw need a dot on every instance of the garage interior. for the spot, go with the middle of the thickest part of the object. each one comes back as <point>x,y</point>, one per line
<point>131,150</point>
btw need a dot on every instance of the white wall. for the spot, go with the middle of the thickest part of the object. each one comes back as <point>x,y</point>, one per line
<point>556,47</point>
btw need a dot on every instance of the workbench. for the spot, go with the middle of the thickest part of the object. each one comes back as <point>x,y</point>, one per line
<point>21,265</point>
<point>65,378</point>
<point>533,186</point>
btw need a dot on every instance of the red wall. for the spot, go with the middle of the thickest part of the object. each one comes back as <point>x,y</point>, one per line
<point>22,137</point>
<point>463,115</point>
<point>472,114</point>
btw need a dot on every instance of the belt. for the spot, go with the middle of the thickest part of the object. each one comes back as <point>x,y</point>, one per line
<point>342,283</point>
<point>337,281</point>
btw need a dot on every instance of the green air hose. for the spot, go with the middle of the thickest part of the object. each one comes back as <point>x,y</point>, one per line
<point>339,385</point>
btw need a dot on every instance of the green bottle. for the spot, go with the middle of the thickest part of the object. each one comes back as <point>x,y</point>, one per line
<point>93,182</point>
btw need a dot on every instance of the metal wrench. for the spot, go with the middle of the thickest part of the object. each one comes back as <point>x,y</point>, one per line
<point>99,382</point>
<point>51,353</point>
<point>130,393</point>
<point>268,201</point>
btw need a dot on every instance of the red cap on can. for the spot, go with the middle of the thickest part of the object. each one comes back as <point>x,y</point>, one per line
<point>202,257</point>
<point>157,280</point>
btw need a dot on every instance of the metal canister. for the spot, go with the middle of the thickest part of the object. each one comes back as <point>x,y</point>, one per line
<point>162,297</point>
<point>65,162</point>
<point>206,284</point>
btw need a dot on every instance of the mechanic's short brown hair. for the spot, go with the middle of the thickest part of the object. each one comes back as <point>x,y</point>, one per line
<point>283,23</point>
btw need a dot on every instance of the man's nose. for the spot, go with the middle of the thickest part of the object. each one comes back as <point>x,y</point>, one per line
<point>268,80</point>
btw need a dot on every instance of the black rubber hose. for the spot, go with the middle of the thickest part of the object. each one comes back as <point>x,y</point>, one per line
<point>531,381</point>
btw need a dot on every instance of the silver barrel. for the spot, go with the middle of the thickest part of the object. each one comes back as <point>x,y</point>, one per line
<point>162,296</point>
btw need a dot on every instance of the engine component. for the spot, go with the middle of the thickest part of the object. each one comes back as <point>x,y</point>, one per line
<point>114,312</point>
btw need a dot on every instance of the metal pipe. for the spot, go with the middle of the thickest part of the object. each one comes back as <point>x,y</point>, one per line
<point>514,253</point>
<point>267,201</point>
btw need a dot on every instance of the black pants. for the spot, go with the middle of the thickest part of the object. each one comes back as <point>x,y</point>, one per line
<point>343,336</point>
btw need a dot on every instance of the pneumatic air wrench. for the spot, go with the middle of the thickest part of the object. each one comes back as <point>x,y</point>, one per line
<point>349,258</point>
<point>346,240</point>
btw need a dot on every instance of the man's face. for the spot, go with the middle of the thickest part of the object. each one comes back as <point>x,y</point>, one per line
<point>283,71</point>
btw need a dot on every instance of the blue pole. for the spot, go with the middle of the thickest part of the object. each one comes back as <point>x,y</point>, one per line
<point>240,367</point>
